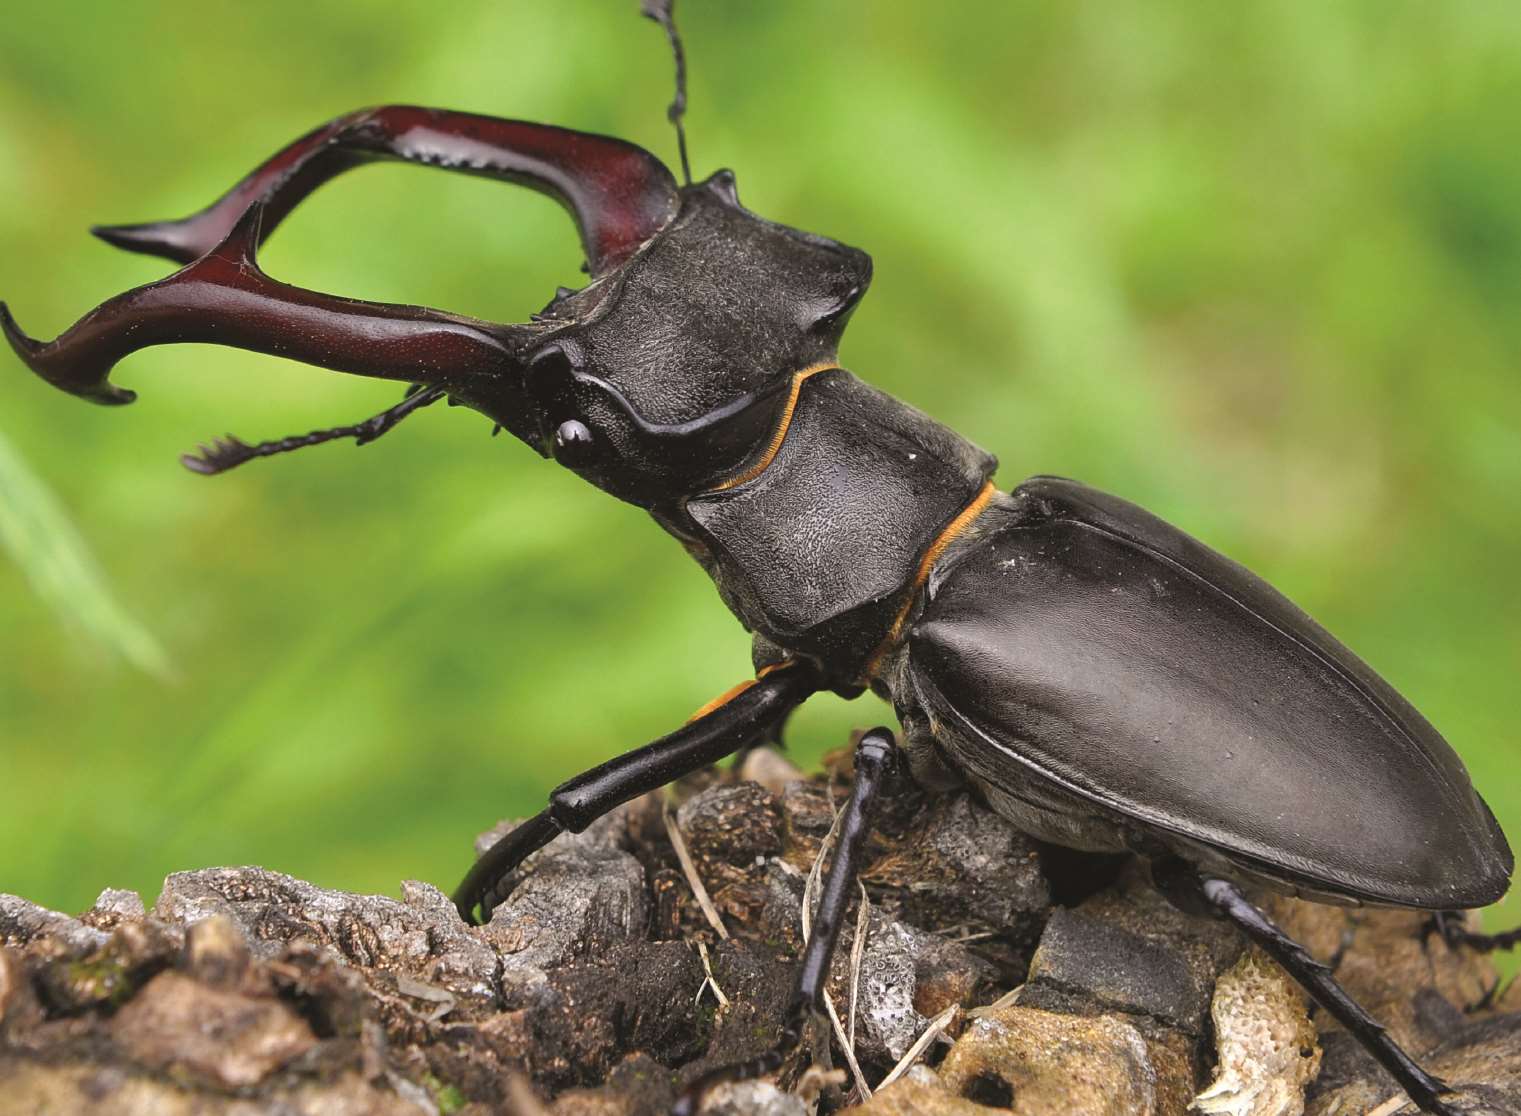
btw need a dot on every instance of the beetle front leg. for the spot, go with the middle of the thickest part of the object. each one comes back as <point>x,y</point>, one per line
<point>738,719</point>
<point>875,757</point>
<point>1316,978</point>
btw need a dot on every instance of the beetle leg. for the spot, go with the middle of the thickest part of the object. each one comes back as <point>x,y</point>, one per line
<point>224,298</point>
<point>775,738</point>
<point>875,757</point>
<point>1450,926</point>
<point>1316,978</point>
<point>619,194</point>
<point>573,806</point>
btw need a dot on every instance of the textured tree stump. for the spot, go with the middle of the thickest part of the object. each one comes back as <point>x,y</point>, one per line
<point>989,974</point>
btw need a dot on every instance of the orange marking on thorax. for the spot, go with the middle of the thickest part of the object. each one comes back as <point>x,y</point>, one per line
<point>782,424</point>
<point>952,531</point>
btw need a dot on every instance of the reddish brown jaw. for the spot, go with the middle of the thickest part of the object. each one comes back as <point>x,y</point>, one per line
<point>619,194</point>
<point>225,298</point>
<point>41,359</point>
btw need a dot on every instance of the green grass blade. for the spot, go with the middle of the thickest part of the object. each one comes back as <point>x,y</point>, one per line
<point>37,533</point>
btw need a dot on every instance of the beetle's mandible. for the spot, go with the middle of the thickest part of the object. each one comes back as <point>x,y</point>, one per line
<point>1097,676</point>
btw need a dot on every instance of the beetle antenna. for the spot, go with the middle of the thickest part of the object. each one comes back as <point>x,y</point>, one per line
<point>663,13</point>
<point>229,452</point>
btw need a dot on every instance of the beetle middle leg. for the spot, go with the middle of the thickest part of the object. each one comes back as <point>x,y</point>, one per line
<point>875,757</point>
<point>739,718</point>
<point>1226,899</point>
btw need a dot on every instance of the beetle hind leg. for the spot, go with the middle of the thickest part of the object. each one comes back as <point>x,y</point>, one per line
<point>1226,899</point>
<point>1449,926</point>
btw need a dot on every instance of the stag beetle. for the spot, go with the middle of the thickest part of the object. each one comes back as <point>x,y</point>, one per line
<point>1097,676</point>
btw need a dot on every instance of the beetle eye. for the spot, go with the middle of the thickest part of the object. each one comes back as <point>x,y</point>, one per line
<point>574,444</point>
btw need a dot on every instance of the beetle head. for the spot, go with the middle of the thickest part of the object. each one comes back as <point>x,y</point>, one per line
<point>670,372</point>
<point>665,374</point>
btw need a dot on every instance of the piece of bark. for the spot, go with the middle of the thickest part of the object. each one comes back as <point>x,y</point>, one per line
<point>243,992</point>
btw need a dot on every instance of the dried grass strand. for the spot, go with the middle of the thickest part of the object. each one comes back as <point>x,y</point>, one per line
<point>857,953</point>
<point>921,1044</point>
<point>1002,1002</point>
<point>711,981</point>
<point>689,869</point>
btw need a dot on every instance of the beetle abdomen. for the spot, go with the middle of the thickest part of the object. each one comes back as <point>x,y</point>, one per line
<point>1091,645</point>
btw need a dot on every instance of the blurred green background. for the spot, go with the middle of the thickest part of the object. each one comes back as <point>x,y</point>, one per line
<point>1256,267</point>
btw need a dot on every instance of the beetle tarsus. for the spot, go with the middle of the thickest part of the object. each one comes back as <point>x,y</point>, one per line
<point>480,888</point>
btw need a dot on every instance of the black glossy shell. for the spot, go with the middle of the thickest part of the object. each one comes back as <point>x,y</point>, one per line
<point>1089,648</point>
